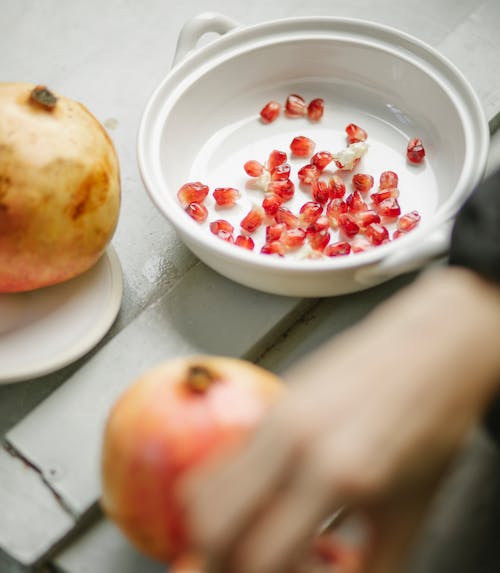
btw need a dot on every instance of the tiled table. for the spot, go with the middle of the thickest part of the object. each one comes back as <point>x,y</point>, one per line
<point>110,55</point>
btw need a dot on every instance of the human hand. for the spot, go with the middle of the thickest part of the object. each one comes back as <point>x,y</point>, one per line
<point>371,423</point>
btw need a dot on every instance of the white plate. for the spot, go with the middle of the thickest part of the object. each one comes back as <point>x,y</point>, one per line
<point>44,330</point>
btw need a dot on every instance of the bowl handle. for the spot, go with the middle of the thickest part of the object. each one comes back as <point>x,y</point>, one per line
<point>196,27</point>
<point>411,259</point>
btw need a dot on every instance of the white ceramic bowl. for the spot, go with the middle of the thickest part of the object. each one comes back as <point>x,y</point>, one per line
<point>202,124</point>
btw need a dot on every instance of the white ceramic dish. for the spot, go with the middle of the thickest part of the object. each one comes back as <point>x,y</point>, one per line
<point>44,330</point>
<point>202,123</point>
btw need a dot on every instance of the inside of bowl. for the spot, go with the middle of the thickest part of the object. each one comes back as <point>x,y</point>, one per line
<point>212,128</point>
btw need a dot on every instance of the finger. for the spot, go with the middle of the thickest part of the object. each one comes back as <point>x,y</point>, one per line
<point>223,499</point>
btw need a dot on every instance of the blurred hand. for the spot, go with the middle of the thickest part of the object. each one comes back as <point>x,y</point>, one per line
<point>371,423</point>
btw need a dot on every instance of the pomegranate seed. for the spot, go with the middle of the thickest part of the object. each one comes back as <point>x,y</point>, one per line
<point>408,221</point>
<point>270,111</point>
<point>336,187</point>
<point>377,233</point>
<point>320,191</point>
<point>415,151</point>
<point>335,208</point>
<point>245,242</point>
<point>274,232</point>
<point>221,226</point>
<point>308,173</point>
<point>302,146</point>
<point>281,172</point>
<point>322,159</point>
<point>197,211</point>
<point>365,218</point>
<point>283,189</point>
<point>362,182</point>
<point>388,193</point>
<point>271,203</point>
<point>360,244</point>
<point>252,220</point>
<point>276,158</point>
<point>355,202</point>
<point>389,208</point>
<point>355,133</point>
<point>321,224</point>
<point>226,196</point>
<point>293,238</point>
<point>347,224</point>
<point>315,109</point>
<point>253,168</point>
<point>273,248</point>
<point>338,249</point>
<point>388,179</point>
<point>397,233</point>
<point>225,236</point>
<point>295,106</point>
<point>285,216</point>
<point>318,241</point>
<point>192,193</point>
<point>310,211</point>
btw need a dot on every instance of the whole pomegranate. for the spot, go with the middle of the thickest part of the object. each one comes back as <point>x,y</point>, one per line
<point>171,419</point>
<point>59,188</point>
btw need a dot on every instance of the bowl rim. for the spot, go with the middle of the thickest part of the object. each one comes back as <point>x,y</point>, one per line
<point>242,39</point>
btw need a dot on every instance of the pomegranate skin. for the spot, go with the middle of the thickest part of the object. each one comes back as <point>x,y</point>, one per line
<point>59,190</point>
<point>160,428</point>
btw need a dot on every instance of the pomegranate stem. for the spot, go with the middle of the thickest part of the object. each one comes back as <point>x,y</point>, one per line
<point>199,379</point>
<point>42,96</point>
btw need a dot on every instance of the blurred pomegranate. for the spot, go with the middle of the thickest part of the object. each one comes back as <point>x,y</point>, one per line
<point>59,188</point>
<point>171,419</point>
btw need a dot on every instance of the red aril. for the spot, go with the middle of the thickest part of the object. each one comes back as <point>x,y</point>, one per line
<point>318,241</point>
<point>362,182</point>
<point>270,111</point>
<point>271,203</point>
<point>365,218</point>
<point>194,192</point>
<point>245,242</point>
<point>321,224</point>
<point>166,424</point>
<point>377,233</point>
<point>226,196</point>
<point>281,172</point>
<point>388,179</point>
<point>310,212</point>
<point>315,109</point>
<point>387,193</point>
<point>221,225</point>
<point>408,221</point>
<point>302,146</point>
<point>252,220</point>
<point>225,236</point>
<point>415,151</point>
<point>355,133</point>
<point>197,211</point>
<point>274,232</point>
<point>293,238</point>
<point>322,159</point>
<point>337,249</point>
<point>285,216</point>
<point>389,208</point>
<point>273,248</point>
<point>276,157</point>
<point>355,202</point>
<point>283,189</point>
<point>253,168</point>
<point>295,106</point>
<point>347,224</point>
<point>336,186</point>
<point>334,209</point>
<point>320,191</point>
<point>308,173</point>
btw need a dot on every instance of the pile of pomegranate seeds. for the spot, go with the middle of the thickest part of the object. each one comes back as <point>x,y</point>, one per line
<point>343,213</point>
